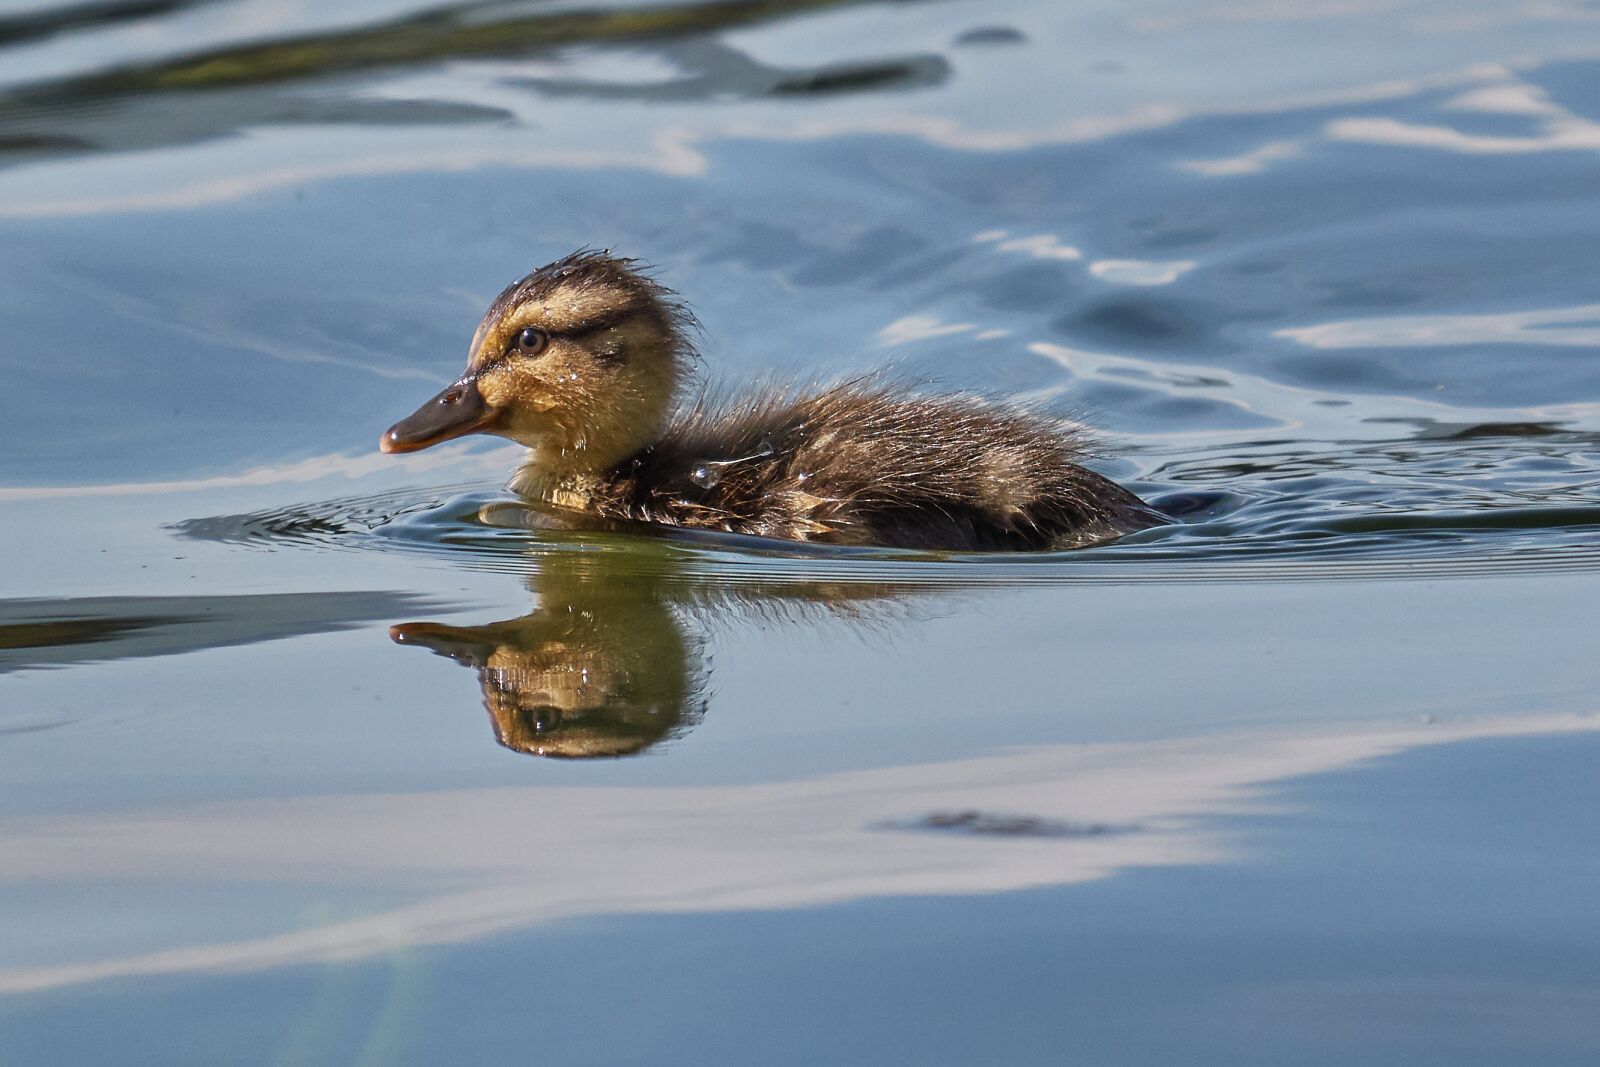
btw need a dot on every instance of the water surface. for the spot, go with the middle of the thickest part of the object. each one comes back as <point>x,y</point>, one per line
<point>315,755</point>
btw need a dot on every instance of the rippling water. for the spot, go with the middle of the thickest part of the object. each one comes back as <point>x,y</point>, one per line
<point>1303,776</point>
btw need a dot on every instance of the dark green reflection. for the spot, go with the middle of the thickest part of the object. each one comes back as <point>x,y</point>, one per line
<point>612,661</point>
<point>95,15</point>
<point>218,91</point>
<point>454,32</point>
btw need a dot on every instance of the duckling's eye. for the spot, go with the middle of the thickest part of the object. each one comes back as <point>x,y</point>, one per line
<point>529,341</point>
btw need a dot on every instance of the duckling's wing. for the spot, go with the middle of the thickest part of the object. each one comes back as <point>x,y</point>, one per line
<point>860,463</point>
<point>956,472</point>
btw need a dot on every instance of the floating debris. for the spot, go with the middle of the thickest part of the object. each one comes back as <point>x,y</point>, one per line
<point>991,824</point>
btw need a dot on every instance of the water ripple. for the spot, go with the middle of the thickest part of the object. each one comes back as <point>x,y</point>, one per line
<point>1474,502</point>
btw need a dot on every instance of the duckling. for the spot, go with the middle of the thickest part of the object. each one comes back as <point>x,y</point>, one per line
<point>584,359</point>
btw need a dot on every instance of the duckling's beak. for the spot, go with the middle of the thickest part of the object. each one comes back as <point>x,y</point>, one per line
<point>462,645</point>
<point>458,410</point>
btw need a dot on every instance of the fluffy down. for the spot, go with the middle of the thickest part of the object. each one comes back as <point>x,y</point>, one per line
<point>858,464</point>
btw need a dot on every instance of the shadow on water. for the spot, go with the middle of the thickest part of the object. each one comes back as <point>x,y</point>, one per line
<point>215,93</point>
<point>57,633</point>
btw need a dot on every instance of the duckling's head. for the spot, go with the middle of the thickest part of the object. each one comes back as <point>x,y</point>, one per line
<point>580,361</point>
<point>579,678</point>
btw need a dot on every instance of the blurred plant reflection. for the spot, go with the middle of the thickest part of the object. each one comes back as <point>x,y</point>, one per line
<point>219,90</point>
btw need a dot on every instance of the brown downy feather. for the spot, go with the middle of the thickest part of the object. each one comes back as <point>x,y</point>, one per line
<point>581,361</point>
<point>862,464</point>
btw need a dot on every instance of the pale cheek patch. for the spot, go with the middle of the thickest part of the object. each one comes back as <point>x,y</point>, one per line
<point>502,389</point>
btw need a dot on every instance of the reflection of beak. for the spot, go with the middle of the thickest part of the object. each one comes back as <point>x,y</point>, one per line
<point>461,645</point>
<point>458,410</point>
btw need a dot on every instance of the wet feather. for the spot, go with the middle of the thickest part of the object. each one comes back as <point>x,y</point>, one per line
<point>583,360</point>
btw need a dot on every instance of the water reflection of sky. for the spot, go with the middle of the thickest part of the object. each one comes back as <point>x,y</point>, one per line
<point>1209,148</point>
<point>470,864</point>
<point>1322,272</point>
<point>1131,968</point>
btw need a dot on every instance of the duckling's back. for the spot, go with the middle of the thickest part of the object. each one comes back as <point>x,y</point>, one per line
<point>858,464</point>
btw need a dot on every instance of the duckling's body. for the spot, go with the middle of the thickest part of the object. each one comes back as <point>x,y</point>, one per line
<point>581,360</point>
<point>858,464</point>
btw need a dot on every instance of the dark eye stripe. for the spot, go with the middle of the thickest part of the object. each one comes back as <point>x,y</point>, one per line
<point>604,322</point>
<point>593,326</point>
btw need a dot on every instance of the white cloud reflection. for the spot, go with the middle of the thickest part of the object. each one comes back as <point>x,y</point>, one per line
<point>336,464</point>
<point>669,140</point>
<point>1039,245</point>
<point>1312,413</point>
<point>1514,98</point>
<point>919,328</point>
<point>1140,271</point>
<point>1577,327</point>
<point>1252,162</point>
<point>1559,130</point>
<point>477,862</point>
<point>1563,136</point>
<point>669,152</point>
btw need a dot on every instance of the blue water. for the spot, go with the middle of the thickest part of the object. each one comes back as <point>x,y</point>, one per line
<point>1298,778</point>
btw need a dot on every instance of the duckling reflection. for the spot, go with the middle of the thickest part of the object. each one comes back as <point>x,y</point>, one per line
<point>603,667</point>
<point>612,661</point>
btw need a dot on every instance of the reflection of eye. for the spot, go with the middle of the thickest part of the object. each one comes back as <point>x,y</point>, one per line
<point>529,341</point>
<point>543,718</point>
